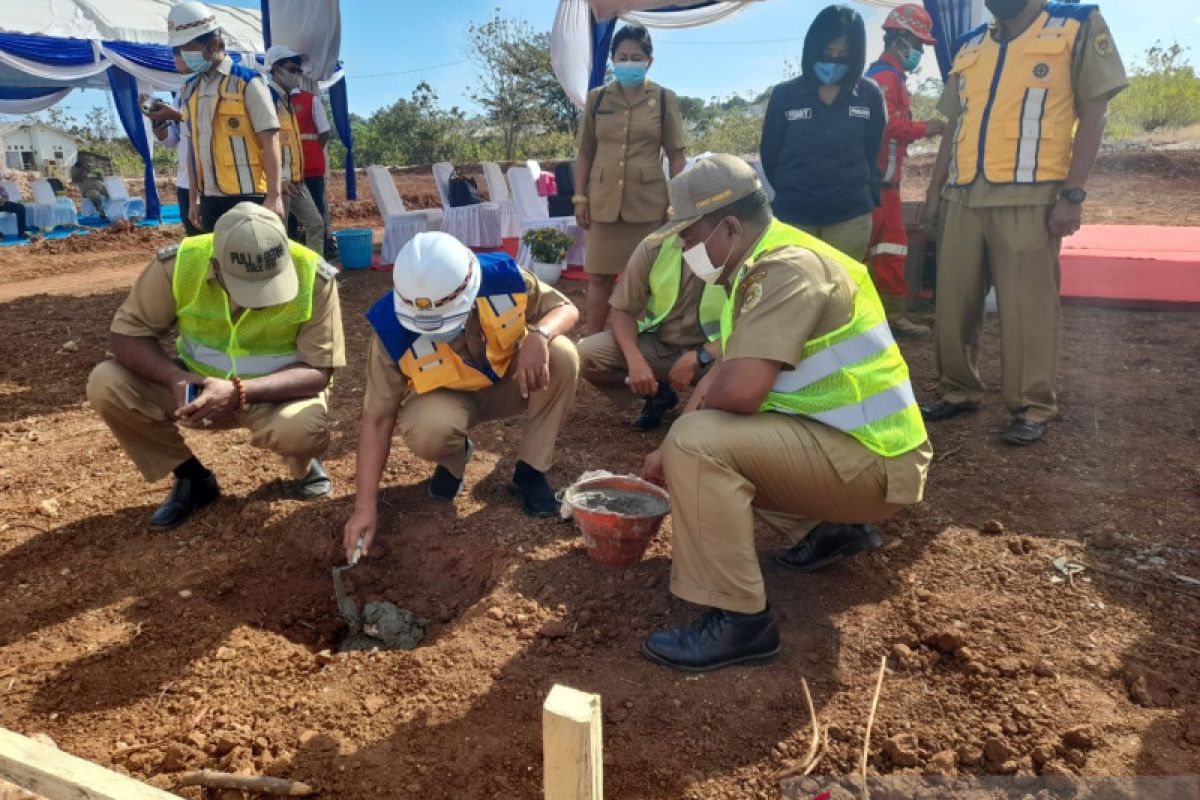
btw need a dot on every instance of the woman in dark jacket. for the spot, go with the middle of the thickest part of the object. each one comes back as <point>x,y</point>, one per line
<point>821,136</point>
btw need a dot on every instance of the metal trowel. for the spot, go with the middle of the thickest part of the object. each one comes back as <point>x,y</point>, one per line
<point>345,605</point>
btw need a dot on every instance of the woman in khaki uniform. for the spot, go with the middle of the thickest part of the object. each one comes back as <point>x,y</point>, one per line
<point>628,125</point>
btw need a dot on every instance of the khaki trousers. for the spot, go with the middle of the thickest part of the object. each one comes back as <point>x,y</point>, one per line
<point>723,468</point>
<point>307,214</point>
<point>434,425</point>
<point>602,362</point>
<point>1008,247</point>
<point>140,413</point>
<point>852,236</point>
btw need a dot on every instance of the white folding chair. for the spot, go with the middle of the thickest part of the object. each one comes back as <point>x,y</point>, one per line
<point>475,225</point>
<point>533,212</point>
<point>399,224</point>
<point>46,213</point>
<point>497,187</point>
<point>762,176</point>
<point>120,204</point>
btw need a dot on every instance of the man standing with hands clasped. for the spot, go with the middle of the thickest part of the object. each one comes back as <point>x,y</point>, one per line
<point>1026,103</point>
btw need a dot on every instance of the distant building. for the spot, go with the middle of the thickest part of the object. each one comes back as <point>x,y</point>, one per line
<point>37,147</point>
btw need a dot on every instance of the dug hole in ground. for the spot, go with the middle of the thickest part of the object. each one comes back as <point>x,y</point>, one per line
<point>153,654</point>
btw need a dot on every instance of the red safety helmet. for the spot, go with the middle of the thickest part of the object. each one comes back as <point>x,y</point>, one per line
<point>912,18</point>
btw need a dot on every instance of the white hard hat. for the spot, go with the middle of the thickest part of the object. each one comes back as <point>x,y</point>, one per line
<point>188,21</point>
<point>436,281</point>
<point>278,52</point>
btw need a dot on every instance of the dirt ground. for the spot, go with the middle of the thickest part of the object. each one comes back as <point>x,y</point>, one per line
<point>156,653</point>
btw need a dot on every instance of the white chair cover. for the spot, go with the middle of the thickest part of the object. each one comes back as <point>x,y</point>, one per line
<point>475,225</point>
<point>534,213</point>
<point>510,225</point>
<point>762,176</point>
<point>535,169</point>
<point>8,223</point>
<point>120,204</point>
<point>45,212</point>
<point>399,225</point>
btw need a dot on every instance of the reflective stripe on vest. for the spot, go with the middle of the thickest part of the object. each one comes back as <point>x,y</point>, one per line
<point>261,341</point>
<point>853,379</point>
<point>666,276</point>
<point>235,152</point>
<point>1018,104</point>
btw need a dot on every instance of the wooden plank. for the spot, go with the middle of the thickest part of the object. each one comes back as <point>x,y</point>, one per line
<point>572,747</point>
<point>61,776</point>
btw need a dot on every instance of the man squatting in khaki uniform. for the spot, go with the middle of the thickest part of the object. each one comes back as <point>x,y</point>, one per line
<point>260,332</point>
<point>462,339</point>
<point>664,325</point>
<point>809,419</point>
<point>1009,185</point>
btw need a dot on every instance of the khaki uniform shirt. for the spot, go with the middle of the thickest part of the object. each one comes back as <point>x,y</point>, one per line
<point>1097,72</point>
<point>804,296</point>
<point>681,327</point>
<point>149,311</point>
<point>388,388</point>
<point>259,107</point>
<point>626,142</point>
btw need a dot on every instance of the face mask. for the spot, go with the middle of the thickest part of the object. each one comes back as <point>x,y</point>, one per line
<point>829,73</point>
<point>630,73</point>
<point>911,60</point>
<point>195,60</point>
<point>1006,9</point>
<point>701,265</point>
<point>445,336</point>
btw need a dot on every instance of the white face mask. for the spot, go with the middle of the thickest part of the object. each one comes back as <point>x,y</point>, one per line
<point>699,263</point>
<point>445,336</point>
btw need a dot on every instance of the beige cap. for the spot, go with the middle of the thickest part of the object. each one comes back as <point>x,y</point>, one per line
<point>708,185</point>
<point>251,245</point>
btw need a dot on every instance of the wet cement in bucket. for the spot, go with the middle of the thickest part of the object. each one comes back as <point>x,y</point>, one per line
<point>621,501</point>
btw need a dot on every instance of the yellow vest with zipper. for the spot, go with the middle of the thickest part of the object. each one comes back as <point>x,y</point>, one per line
<point>852,379</point>
<point>665,276</point>
<point>261,341</point>
<point>1018,104</point>
<point>236,154</point>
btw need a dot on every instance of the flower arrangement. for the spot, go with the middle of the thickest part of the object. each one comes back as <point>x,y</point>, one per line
<point>547,245</point>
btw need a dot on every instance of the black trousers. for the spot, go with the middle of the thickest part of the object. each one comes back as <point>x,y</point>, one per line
<point>19,210</point>
<point>181,196</point>
<point>212,208</point>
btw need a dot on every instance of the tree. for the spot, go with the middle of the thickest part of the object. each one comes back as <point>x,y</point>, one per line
<point>1164,92</point>
<point>413,131</point>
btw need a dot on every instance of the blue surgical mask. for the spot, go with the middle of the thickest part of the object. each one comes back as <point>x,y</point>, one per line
<point>828,72</point>
<point>195,61</point>
<point>630,73</point>
<point>911,59</point>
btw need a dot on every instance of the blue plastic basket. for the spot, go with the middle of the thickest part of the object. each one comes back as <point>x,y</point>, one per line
<point>354,247</point>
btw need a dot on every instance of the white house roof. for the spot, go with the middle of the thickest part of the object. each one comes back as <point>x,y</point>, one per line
<point>12,127</point>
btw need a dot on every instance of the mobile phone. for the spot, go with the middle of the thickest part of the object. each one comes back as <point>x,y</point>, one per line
<point>192,391</point>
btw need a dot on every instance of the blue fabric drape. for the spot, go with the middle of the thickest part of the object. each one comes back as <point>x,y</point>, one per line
<point>266,23</point>
<point>339,102</point>
<point>951,19</point>
<point>27,92</point>
<point>602,34</point>
<point>150,56</point>
<point>48,49</point>
<point>125,98</point>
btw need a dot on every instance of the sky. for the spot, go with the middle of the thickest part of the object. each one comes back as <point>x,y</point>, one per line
<point>426,41</point>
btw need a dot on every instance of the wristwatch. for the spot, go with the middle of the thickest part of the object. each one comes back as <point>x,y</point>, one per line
<point>1073,196</point>
<point>542,331</point>
<point>704,357</point>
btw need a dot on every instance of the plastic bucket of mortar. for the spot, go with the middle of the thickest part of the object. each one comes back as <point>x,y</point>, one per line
<point>612,538</point>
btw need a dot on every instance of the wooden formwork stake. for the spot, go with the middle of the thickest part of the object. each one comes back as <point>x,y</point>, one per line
<point>572,747</point>
<point>48,771</point>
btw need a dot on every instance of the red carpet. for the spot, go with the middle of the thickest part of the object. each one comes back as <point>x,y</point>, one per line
<point>1133,266</point>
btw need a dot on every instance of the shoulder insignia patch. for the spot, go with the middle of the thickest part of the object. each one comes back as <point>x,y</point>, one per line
<point>167,253</point>
<point>1103,45</point>
<point>752,296</point>
<point>326,270</point>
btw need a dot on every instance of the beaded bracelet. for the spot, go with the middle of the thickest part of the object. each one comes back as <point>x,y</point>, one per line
<point>241,392</point>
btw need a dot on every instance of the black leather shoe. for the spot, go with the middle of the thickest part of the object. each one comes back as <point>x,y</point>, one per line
<point>941,410</point>
<point>316,483</point>
<point>187,495</point>
<point>1023,432</point>
<point>656,408</point>
<point>537,498</point>
<point>718,639</point>
<point>443,485</point>
<point>829,543</point>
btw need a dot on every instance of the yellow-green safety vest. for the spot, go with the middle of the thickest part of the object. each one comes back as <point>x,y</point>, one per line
<point>262,341</point>
<point>852,379</point>
<point>666,274</point>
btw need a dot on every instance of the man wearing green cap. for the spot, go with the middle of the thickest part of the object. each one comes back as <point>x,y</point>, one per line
<point>808,420</point>
<point>260,333</point>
